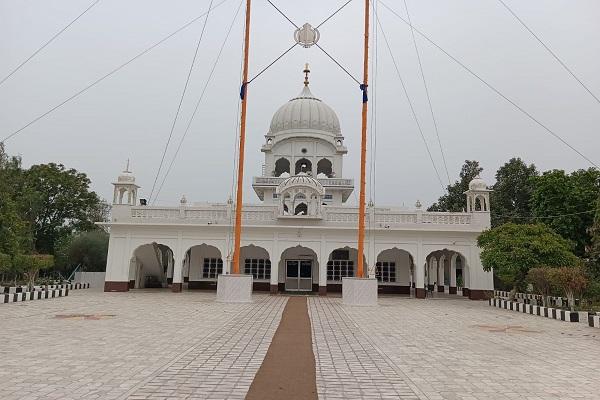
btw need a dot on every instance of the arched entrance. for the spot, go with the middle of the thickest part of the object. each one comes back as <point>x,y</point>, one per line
<point>151,266</point>
<point>255,261</point>
<point>299,270</point>
<point>341,263</point>
<point>205,264</point>
<point>393,271</point>
<point>447,271</point>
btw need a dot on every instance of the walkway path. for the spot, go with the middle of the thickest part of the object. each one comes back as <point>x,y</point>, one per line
<point>288,370</point>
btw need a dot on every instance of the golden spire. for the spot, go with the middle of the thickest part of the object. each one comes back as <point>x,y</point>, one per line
<point>306,72</point>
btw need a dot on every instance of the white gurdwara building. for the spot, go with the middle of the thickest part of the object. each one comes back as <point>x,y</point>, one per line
<point>302,237</point>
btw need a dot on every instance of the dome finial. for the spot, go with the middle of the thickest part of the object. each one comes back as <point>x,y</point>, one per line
<point>306,72</point>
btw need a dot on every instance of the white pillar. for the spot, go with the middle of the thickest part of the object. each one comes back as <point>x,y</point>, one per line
<point>453,270</point>
<point>323,256</point>
<point>419,273</point>
<point>441,272</point>
<point>275,256</point>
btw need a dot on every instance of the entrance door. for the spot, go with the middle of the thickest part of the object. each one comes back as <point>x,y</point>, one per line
<point>298,275</point>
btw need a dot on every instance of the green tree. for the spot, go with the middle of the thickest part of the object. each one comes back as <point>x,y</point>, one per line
<point>512,192</point>
<point>455,200</point>
<point>567,198</point>
<point>6,267</point>
<point>58,202</point>
<point>15,235</point>
<point>541,280</point>
<point>88,249</point>
<point>593,250</point>
<point>571,281</point>
<point>511,250</point>
<point>32,264</point>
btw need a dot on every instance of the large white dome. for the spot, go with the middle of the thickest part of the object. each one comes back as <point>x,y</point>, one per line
<point>305,112</point>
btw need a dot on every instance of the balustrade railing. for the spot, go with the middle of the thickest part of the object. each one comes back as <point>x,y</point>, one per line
<point>269,213</point>
<point>275,181</point>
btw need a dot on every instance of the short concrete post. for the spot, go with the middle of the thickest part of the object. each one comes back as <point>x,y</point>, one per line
<point>359,291</point>
<point>234,288</point>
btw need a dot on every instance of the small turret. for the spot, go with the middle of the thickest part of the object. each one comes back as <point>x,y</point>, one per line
<point>125,191</point>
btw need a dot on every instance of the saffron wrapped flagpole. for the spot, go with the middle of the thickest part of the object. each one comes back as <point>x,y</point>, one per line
<point>363,148</point>
<point>361,290</point>
<point>242,143</point>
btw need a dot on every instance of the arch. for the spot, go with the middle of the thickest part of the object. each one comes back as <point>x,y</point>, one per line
<point>301,209</point>
<point>282,165</point>
<point>324,166</point>
<point>303,165</point>
<point>478,204</point>
<point>447,268</point>
<point>151,266</point>
<point>393,270</point>
<point>205,264</point>
<point>255,261</point>
<point>341,263</point>
<point>302,254</point>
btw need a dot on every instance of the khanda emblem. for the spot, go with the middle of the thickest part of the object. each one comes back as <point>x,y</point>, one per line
<point>306,36</point>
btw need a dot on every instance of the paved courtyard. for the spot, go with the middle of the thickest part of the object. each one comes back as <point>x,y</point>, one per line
<point>157,345</point>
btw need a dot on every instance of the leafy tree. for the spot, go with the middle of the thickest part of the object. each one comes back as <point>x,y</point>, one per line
<point>512,192</point>
<point>6,267</point>
<point>32,264</point>
<point>15,235</point>
<point>593,250</point>
<point>88,249</point>
<point>569,197</point>
<point>58,202</point>
<point>541,280</point>
<point>572,282</point>
<point>455,200</point>
<point>511,250</point>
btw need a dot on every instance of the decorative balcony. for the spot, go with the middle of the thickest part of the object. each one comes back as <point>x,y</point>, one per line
<point>259,183</point>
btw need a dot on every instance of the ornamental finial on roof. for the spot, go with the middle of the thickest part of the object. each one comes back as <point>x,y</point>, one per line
<point>306,72</point>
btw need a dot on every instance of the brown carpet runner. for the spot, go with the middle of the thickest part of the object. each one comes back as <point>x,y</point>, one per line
<point>288,370</point>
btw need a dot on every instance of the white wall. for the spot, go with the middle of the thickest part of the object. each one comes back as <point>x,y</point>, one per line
<point>95,279</point>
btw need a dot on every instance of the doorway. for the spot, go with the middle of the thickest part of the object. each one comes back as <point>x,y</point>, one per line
<point>298,275</point>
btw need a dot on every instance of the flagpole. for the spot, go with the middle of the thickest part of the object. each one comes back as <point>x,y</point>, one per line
<point>363,148</point>
<point>240,174</point>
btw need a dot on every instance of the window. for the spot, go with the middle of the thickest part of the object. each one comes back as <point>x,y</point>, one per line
<point>281,166</point>
<point>328,197</point>
<point>212,268</point>
<point>303,165</point>
<point>338,269</point>
<point>325,167</point>
<point>385,271</point>
<point>257,267</point>
<point>274,195</point>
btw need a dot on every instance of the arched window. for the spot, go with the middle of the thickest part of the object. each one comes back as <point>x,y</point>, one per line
<point>303,165</point>
<point>478,204</point>
<point>301,209</point>
<point>282,165</point>
<point>324,167</point>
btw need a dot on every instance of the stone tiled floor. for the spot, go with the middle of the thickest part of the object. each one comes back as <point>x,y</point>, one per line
<point>153,335</point>
<point>347,364</point>
<point>460,349</point>
<point>156,344</point>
